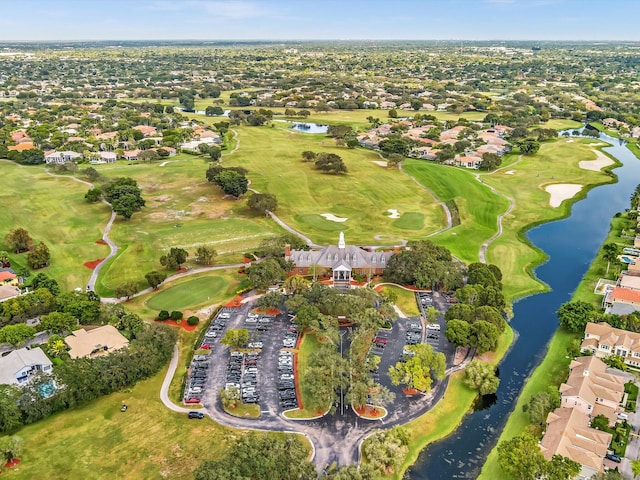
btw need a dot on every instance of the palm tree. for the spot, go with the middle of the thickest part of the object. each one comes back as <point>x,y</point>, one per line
<point>610,254</point>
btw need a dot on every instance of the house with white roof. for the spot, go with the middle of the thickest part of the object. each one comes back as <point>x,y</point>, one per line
<point>18,367</point>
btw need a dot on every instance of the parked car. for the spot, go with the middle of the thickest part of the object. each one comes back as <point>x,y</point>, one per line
<point>255,345</point>
<point>613,457</point>
<point>198,415</point>
<point>200,358</point>
<point>192,400</point>
<point>205,346</point>
<point>211,334</point>
<point>224,315</point>
<point>433,336</point>
<point>433,326</point>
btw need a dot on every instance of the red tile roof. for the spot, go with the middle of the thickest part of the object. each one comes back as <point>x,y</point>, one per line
<point>6,275</point>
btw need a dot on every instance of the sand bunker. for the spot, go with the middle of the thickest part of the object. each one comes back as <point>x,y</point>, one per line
<point>561,191</point>
<point>333,218</point>
<point>393,213</point>
<point>510,172</point>
<point>598,164</point>
<point>380,162</point>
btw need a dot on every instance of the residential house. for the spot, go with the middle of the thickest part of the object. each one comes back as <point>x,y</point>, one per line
<point>621,296</point>
<point>342,261</point>
<point>630,282</point>
<point>131,154</point>
<point>60,158</point>
<point>601,339</point>
<point>468,161</point>
<point>146,130</point>
<point>568,434</point>
<point>8,277</point>
<point>104,157</point>
<point>18,367</point>
<point>95,342</point>
<point>21,147</point>
<point>591,390</point>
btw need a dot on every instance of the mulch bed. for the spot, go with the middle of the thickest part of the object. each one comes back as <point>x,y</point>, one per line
<point>93,264</point>
<point>12,463</point>
<point>182,324</point>
<point>368,411</point>
<point>101,242</point>
<point>235,302</point>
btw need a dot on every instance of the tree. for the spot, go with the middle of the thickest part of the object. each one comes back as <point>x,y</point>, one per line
<point>574,316</point>
<point>56,346</point>
<point>187,101</point>
<point>490,161</point>
<point>174,259</point>
<point>484,336</point>
<point>205,255</point>
<point>610,252</point>
<point>418,372</point>
<point>16,334</point>
<point>432,313</point>
<point>561,468</point>
<point>263,203</point>
<point>58,323</point>
<point>41,280</point>
<point>481,376</point>
<point>270,300</point>
<point>395,160</point>
<point>529,146</point>
<point>215,153</point>
<point>236,338</point>
<point>541,404</point>
<point>393,113</point>
<point>385,449</point>
<point>155,278</point>
<point>93,195</point>
<point>330,163</point>
<point>363,471</point>
<point>309,156</point>
<point>125,205</point>
<point>232,183</point>
<point>10,415</point>
<point>229,397</point>
<point>266,457</point>
<point>39,256</point>
<point>296,284</point>
<point>10,448</point>
<point>4,259</point>
<point>126,289</point>
<point>213,110</point>
<point>18,240</point>
<point>266,273</point>
<point>521,457</point>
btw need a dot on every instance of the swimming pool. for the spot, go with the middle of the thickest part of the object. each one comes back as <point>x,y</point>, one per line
<point>47,389</point>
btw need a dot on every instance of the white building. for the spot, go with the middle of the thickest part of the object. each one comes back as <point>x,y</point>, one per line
<point>18,367</point>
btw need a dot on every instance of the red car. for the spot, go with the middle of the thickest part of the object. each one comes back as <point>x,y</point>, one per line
<point>205,346</point>
<point>380,340</point>
<point>192,400</point>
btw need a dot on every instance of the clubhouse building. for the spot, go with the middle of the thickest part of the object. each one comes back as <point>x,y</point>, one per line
<point>339,263</point>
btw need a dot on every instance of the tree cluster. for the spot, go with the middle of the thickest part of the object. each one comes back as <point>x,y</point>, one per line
<point>267,457</point>
<point>19,241</point>
<point>521,458</point>
<point>231,180</point>
<point>424,265</point>
<point>124,195</point>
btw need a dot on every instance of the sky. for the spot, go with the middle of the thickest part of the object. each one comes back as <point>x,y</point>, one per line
<point>38,20</point>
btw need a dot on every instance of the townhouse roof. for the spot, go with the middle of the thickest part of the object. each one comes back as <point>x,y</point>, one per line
<point>568,434</point>
<point>624,294</point>
<point>589,380</point>
<point>631,282</point>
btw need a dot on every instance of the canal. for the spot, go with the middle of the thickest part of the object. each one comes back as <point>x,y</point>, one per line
<point>571,244</point>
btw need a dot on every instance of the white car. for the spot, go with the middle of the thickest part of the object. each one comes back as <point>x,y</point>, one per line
<point>251,320</point>
<point>252,315</point>
<point>195,390</point>
<point>211,334</point>
<point>286,376</point>
<point>434,326</point>
<point>255,345</point>
<point>224,315</point>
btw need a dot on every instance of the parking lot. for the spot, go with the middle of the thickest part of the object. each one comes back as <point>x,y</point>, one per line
<point>263,372</point>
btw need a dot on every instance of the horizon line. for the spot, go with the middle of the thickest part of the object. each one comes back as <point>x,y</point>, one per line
<point>319,40</point>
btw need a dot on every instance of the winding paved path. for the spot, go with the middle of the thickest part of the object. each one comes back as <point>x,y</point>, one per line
<point>482,254</point>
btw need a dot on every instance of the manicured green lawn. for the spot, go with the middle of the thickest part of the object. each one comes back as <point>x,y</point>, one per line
<point>406,301</point>
<point>556,162</point>
<point>308,345</point>
<point>561,124</point>
<point>363,196</point>
<point>98,441</point>
<point>184,295</point>
<point>477,204</point>
<point>183,210</point>
<point>410,221</point>
<point>52,210</point>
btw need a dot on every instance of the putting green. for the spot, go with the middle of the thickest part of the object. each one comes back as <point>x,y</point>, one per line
<point>410,221</point>
<point>187,294</point>
<point>321,223</point>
